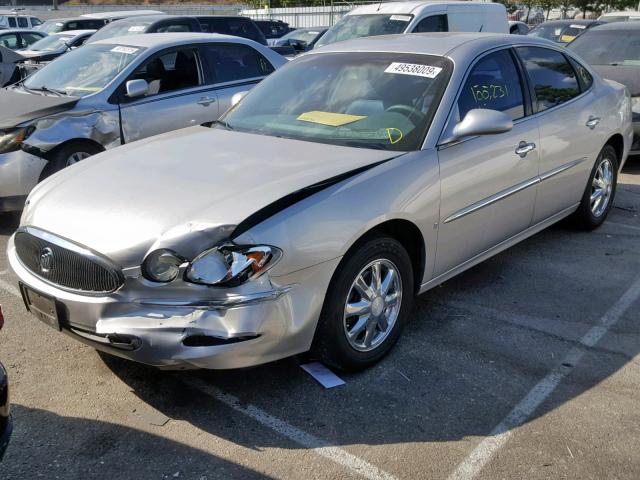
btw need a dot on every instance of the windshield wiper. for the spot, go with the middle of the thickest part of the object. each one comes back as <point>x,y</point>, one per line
<point>43,88</point>
<point>223,123</point>
<point>366,144</point>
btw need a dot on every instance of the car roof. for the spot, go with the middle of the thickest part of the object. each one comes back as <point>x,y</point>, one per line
<point>65,19</point>
<point>416,6</point>
<point>122,13</point>
<point>73,33</point>
<point>21,30</point>
<point>635,25</point>
<point>622,13</point>
<point>441,44</point>
<point>152,40</point>
<point>149,18</point>
<point>552,23</point>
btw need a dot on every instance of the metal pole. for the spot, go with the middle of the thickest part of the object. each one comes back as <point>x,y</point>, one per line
<point>55,4</point>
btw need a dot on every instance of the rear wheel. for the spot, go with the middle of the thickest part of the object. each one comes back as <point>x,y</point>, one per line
<point>68,155</point>
<point>597,199</point>
<point>367,305</point>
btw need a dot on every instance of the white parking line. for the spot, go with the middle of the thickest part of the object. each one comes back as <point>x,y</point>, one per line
<point>318,445</point>
<point>624,225</point>
<point>307,440</point>
<point>480,456</point>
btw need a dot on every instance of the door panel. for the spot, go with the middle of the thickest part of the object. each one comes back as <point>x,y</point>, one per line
<point>488,193</point>
<point>568,146</point>
<point>177,96</point>
<point>488,190</point>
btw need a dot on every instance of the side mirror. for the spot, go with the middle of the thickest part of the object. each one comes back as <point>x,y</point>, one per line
<point>482,121</point>
<point>137,88</point>
<point>237,97</point>
<point>298,45</point>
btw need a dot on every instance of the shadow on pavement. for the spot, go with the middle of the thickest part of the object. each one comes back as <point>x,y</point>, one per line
<point>50,446</point>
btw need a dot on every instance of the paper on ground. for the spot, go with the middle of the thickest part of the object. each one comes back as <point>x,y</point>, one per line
<point>322,374</point>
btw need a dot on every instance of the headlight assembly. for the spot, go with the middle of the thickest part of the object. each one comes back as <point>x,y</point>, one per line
<point>162,266</point>
<point>10,140</point>
<point>231,265</point>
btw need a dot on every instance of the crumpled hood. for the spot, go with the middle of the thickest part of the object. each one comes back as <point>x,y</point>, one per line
<point>19,107</point>
<point>184,190</point>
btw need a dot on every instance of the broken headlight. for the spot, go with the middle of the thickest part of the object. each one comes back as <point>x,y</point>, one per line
<point>10,141</point>
<point>231,265</point>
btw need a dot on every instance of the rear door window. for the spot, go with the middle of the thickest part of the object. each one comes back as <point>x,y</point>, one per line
<point>494,83</point>
<point>433,23</point>
<point>230,63</point>
<point>553,79</point>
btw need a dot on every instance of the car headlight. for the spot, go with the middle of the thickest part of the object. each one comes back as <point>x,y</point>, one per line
<point>162,266</point>
<point>10,141</point>
<point>231,265</point>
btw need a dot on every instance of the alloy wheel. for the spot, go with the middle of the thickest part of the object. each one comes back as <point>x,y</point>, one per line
<point>601,187</point>
<point>76,157</point>
<point>372,305</point>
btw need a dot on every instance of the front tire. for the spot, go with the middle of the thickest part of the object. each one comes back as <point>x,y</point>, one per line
<point>68,155</point>
<point>367,304</point>
<point>598,196</point>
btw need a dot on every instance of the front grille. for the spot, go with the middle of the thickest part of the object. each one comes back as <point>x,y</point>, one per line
<point>73,268</point>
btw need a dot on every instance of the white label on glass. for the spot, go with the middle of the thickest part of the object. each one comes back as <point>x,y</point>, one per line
<point>413,69</point>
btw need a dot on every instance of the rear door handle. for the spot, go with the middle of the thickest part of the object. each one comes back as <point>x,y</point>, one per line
<point>524,148</point>
<point>592,122</point>
<point>206,101</point>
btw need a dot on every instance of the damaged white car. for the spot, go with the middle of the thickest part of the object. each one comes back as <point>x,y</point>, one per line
<point>117,91</point>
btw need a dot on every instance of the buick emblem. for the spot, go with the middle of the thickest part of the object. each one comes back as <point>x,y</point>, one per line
<point>46,260</point>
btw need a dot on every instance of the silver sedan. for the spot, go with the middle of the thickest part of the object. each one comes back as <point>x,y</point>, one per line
<point>309,216</point>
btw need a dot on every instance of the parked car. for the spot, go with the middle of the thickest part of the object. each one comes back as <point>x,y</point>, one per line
<point>108,17</point>
<point>5,409</point>
<point>273,28</point>
<point>518,28</point>
<point>56,44</point>
<point>75,23</point>
<point>622,16</point>
<point>613,50</point>
<point>237,26</point>
<point>563,31</point>
<point>15,19</point>
<point>16,39</point>
<point>301,39</point>
<point>10,71</point>
<point>116,91</point>
<point>147,24</point>
<point>417,17</point>
<point>311,220</point>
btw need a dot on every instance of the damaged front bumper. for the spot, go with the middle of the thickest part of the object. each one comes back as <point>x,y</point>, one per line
<point>212,328</point>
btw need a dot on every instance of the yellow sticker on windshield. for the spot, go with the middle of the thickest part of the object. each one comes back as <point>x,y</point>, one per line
<point>330,119</point>
<point>567,38</point>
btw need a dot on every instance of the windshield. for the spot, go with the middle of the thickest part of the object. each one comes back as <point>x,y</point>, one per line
<point>304,35</point>
<point>609,47</point>
<point>51,43</point>
<point>353,26</point>
<point>51,26</point>
<point>550,32</point>
<point>83,71</point>
<point>117,29</point>
<point>370,100</point>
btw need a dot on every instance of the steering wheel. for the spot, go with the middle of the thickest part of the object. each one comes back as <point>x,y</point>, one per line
<point>405,110</point>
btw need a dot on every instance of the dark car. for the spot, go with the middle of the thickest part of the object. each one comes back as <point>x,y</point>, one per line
<point>302,39</point>
<point>563,31</point>
<point>273,28</point>
<point>5,419</point>
<point>237,26</point>
<point>147,24</point>
<point>613,50</point>
<point>74,23</point>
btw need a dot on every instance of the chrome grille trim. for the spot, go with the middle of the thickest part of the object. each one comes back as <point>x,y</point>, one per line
<point>75,268</point>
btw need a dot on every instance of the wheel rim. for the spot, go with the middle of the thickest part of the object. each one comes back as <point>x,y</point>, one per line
<point>372,305</point>
<point>76,157</point>
<point>601,187</point>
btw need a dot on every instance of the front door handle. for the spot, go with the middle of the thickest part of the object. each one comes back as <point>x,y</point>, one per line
<point>592,122</point>
<point>524,148</point>
<point>206,101</point>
